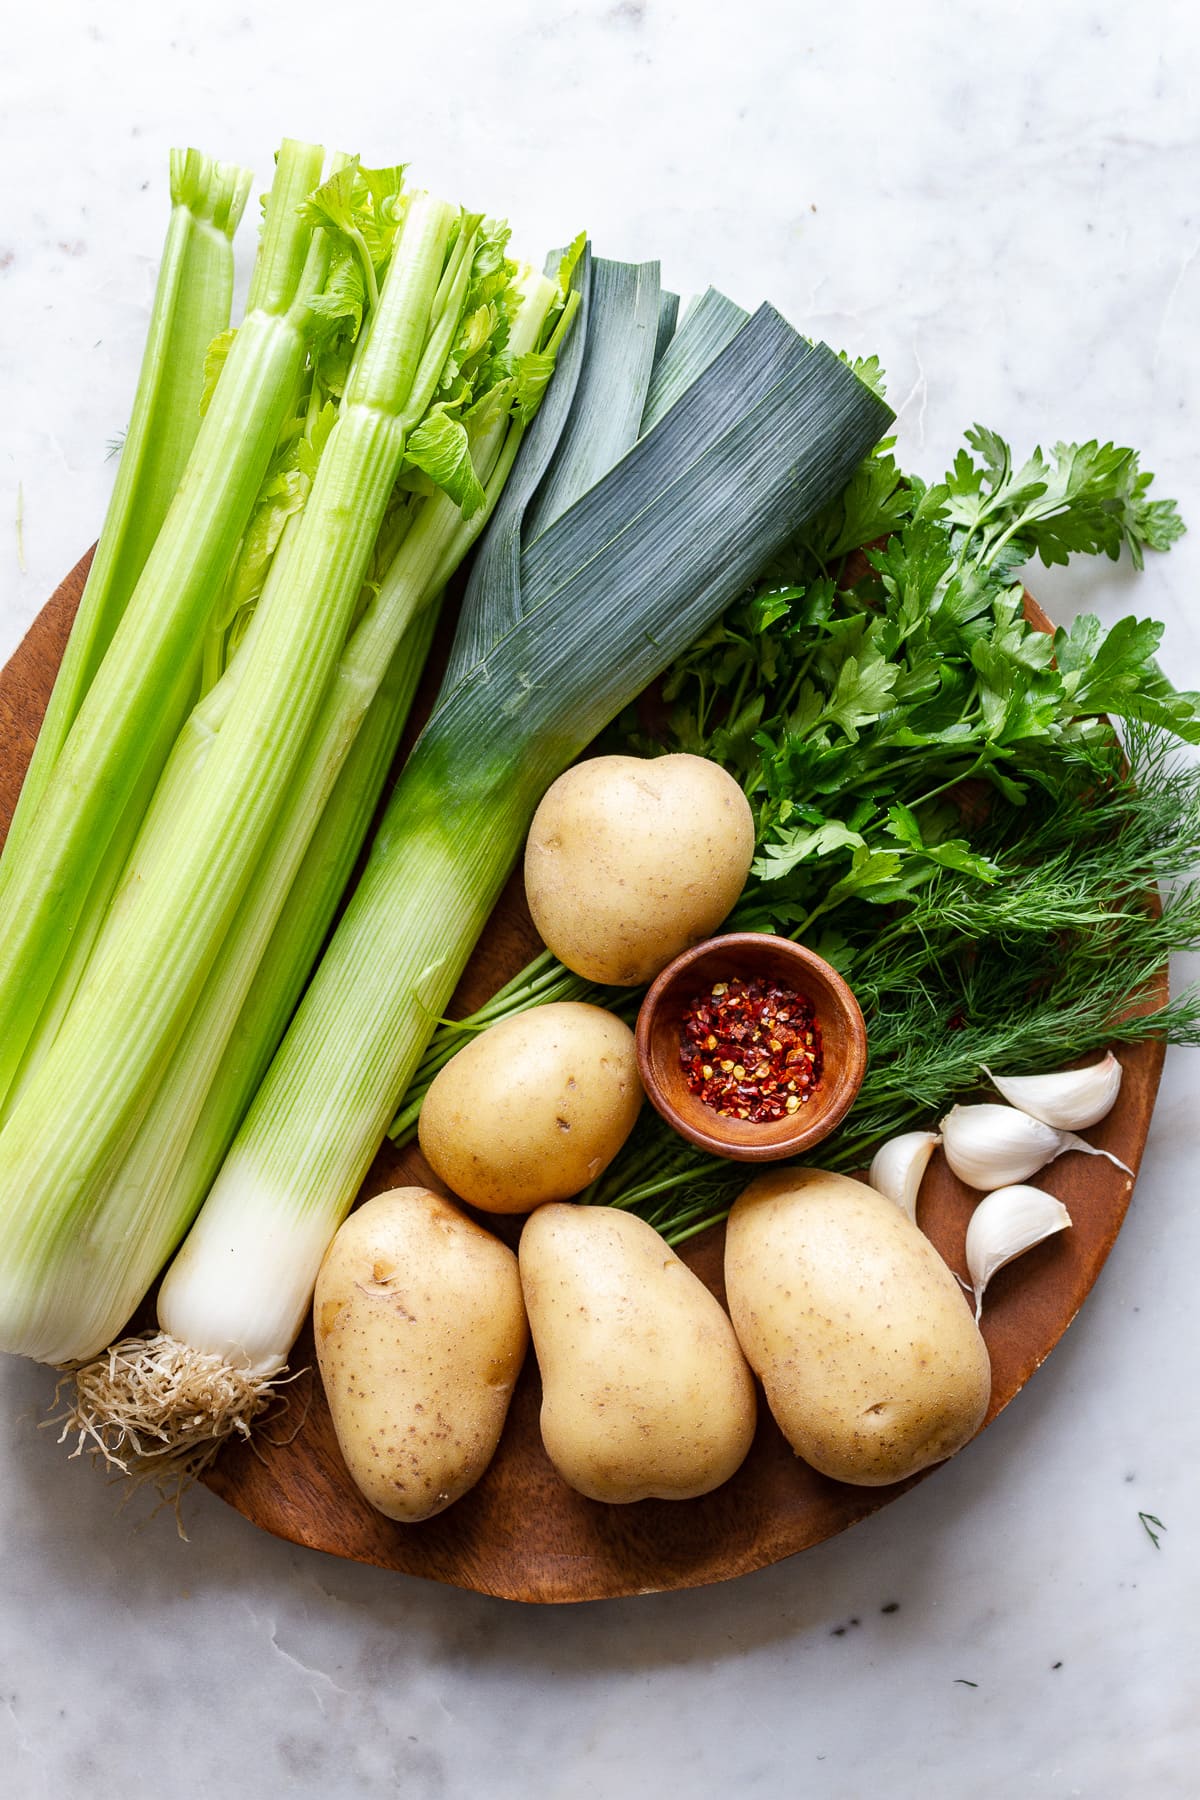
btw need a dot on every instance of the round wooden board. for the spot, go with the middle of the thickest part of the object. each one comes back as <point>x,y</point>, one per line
<point>522,1533</point>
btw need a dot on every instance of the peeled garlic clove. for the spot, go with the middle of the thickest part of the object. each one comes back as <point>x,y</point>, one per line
<point>991,1146</point>
<point>1006,1224</point>
<point>898,1166</point>
<point>1072,1099</point>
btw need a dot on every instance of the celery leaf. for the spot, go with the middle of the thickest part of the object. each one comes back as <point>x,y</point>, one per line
<point>214,362</point>
<point>440,449</point>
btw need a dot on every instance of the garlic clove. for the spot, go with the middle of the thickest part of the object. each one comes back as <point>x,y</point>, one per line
<point>990,1146</point>
<point>1005,1224</point>
<point>1071,1099</point>
<point>898,1166</point>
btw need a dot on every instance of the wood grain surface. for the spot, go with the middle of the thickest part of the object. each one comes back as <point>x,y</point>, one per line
<point>522,1533</point>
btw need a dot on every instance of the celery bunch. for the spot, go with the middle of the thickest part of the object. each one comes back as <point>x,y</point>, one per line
<point>163,907</point>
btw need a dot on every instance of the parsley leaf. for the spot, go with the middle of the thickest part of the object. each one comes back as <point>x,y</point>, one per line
<point>1116,672</point>
<point>1081,499</point>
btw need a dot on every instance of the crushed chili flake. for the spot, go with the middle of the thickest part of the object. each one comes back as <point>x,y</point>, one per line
<point>751,1049</point>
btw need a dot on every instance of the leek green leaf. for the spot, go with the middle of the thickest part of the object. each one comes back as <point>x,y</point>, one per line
<point>606,416</point>
<point>668,318</point>
<point>708,324</point>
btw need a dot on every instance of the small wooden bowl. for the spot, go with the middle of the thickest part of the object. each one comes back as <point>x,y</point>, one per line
<point>750,954</point>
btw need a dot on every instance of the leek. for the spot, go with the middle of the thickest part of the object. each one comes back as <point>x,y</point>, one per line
<point>638,546</point>
<point>191,307</point>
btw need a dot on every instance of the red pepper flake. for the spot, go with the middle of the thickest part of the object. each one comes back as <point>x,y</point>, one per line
<point>751,1049</point>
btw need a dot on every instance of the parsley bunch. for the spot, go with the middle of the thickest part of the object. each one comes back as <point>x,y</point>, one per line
<point>881,691</point>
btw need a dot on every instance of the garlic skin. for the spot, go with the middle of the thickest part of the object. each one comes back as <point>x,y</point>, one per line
<point>898,1166</point>
<point>990,1146</point>
<point>1004,1225</point>
<point>1071,1100</point>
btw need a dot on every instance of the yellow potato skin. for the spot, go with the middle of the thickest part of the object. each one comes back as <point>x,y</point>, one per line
<point>871,1362</point>
<point>420,1331</point>
<point>534,1108</point>
<point>645,1391</point>
<point>631,860</point>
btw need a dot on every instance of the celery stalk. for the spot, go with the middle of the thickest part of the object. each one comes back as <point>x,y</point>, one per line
<point>92,918</point>
<point>191,306</point>
<point>50,874</point>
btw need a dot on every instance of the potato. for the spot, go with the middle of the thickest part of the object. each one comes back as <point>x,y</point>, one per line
<point>421,1333</point>
<point>645,1391</point>
<point>630,860</point>
<point>872,1364</point>
<point>534,1108</point>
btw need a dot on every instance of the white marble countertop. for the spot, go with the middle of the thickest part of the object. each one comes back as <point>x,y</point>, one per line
<point>1003,202</point>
